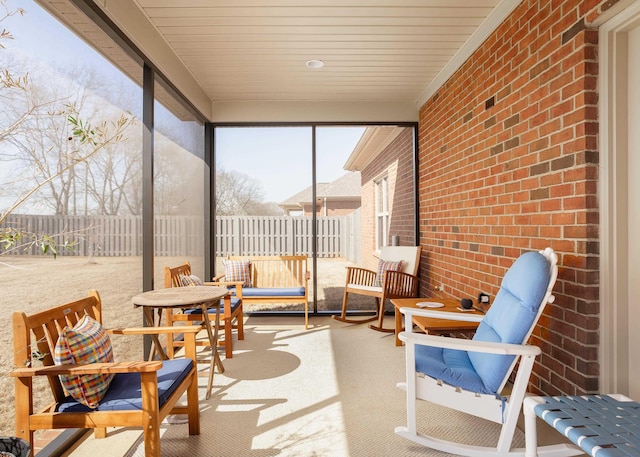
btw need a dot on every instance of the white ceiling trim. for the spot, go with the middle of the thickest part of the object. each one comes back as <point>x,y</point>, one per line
<point>488,26</point>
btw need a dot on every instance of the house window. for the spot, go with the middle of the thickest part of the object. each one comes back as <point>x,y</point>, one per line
<point>382,212</point>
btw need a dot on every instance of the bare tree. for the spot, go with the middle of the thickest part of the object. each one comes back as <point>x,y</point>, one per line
<point>238,194</point>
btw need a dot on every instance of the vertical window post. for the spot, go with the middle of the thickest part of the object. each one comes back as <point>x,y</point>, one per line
<point>147,189</point>
<point>382,212</point>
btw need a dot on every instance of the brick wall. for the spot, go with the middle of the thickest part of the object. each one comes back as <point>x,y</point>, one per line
<point>508,163</point>
<point>396,163</point>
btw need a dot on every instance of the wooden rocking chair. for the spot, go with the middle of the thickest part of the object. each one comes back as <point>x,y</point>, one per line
<point>402,283</point>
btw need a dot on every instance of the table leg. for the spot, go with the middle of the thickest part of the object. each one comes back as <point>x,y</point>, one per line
<point>156,346</point>
<point>398,316</point>
<point>213,342</point>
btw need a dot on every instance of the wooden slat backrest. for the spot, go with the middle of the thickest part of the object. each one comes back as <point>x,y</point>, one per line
<point>172,275</point>
<point>39,332</point>
<point>277,271</point>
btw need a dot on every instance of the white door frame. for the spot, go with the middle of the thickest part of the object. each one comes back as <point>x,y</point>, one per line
<point>613,200</point>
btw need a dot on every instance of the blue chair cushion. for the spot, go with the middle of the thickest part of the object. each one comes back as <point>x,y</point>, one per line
<point>508,321</point>
<point>511,315</point>
<point>235,302</point>
<point>451,366</point>
<point>124,390</point>
<point>273,292</point>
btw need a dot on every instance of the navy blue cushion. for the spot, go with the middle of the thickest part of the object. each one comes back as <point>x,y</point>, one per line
<point>273,292</point>
<point>124,391</point>
<point>235,302</point>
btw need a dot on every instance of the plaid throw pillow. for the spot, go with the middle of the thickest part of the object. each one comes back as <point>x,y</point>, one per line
<point>238,270</point>
<point>386,266</point>
<point>86,342</point>
<point>190,280</point>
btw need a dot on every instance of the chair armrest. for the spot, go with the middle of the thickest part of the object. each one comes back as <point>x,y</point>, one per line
<point>410,313</point>
<point>152,330</point>
<point>217,278</point>
<point>488,347</point>
<point>224,283</point>
<point>93,368</point>
<point>237,285</point>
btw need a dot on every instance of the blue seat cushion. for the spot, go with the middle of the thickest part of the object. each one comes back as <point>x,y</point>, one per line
<point>235,302</point>
<point>124,390</point>
<point>509,320</point>
<point>273,292</point>
<point>451,366</point>
<point>511,315</point>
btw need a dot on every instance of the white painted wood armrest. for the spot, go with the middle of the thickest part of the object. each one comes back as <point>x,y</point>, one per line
<point>434,313</point>
<point>469,345</point>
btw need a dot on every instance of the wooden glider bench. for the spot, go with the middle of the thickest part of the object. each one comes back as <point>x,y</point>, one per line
<point>272,279</point>
<point>141,394</point>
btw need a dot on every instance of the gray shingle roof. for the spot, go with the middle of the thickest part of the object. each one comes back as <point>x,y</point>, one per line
<point>347,187</point>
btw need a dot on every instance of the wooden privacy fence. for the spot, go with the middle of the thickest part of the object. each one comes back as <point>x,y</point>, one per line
<point>184,235</point>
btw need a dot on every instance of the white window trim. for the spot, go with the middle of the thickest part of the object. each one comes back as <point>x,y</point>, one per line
<point>381,215</point>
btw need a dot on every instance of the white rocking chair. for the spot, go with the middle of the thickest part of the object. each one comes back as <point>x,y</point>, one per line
<point>469,375</point>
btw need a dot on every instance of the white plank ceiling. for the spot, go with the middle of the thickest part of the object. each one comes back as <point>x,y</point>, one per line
<point>373,50</point>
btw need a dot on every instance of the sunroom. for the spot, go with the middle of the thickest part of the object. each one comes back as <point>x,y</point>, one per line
<point>139,130</point>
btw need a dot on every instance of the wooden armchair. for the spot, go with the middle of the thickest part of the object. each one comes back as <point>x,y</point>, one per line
<point>231,311</point>
<point>141,394</point>
<point>402,283</point>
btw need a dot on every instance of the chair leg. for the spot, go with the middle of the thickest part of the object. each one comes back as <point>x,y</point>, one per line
<point>240,323</point>
<point>151,415</point>
<point>24,409</point>
<point>343,316</point>
<point>228,338</point>
<point>379,327</point>
<point>193,407</point>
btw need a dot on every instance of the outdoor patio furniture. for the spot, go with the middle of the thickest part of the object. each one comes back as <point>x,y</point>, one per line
<point>231,312</point>
<point>278,279</point>
<point>396,278</point>
<point>203,297</point>
<point>600,425</point>
<point>470,375</point>
<point>105,394</point>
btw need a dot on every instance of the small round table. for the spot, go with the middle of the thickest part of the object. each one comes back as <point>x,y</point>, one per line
<point>203,297</point>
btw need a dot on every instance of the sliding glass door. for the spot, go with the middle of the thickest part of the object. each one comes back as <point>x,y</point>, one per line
<point>355,183</point>
<point>263,185</point>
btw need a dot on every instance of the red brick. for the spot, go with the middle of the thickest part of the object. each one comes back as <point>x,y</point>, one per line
<point>483,182</point>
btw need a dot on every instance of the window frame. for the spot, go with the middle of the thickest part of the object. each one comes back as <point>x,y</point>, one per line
<point>381,212</point>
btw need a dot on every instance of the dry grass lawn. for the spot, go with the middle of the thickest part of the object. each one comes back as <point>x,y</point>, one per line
<point>31,284</point>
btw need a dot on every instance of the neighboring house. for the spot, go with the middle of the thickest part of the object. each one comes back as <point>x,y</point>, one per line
<point>384,158</point>
<point>336,198</point>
